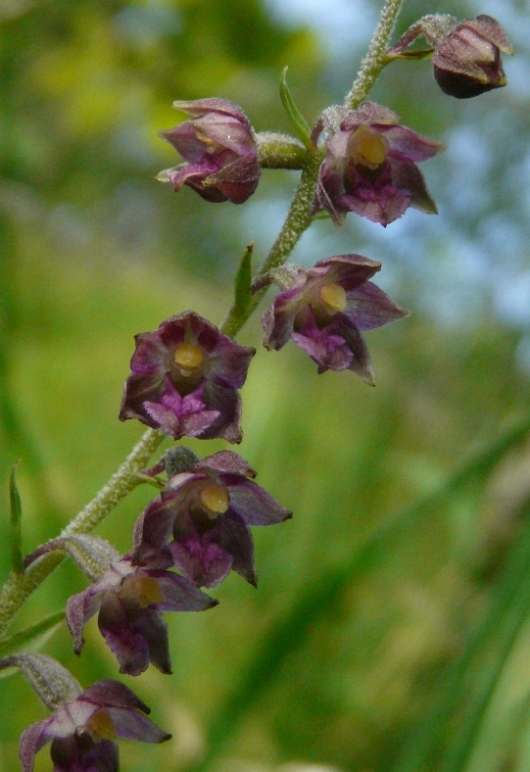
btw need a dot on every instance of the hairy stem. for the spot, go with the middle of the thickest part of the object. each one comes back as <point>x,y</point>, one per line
<point>298,219</point>
<point>19,586</point>
<point>376,58</point>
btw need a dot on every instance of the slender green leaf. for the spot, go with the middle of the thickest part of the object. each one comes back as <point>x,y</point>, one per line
<point>37,635</point>
<point>243,281</point>
<point>298,122</point>
<point>15,533</point>
<point>417,54</point>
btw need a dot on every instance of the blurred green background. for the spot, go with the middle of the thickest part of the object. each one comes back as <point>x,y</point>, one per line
<point>390,628</point>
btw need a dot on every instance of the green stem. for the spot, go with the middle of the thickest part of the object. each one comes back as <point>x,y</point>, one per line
<point>376,59</point>
<point>19,587</point>
<point>297,221</point>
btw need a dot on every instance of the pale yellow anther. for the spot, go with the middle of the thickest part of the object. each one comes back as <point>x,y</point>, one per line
<point>188,357</point>
<point>215,500</point>
<point>101,726</point>
<point>368,148</point>
<point>211,145</point>
<point>142,588</point>
<point>334,296</point>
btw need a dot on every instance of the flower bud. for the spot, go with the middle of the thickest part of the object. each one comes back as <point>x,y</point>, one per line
<point>467,60</point>
<point>220,151</point>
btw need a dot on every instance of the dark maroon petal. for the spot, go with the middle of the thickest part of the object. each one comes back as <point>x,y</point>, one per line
<point>329,351</point>
<point>226,461</point>
<point>179,594</point>
<point>201,560</point>
<point>138,389</point>
<point>238,180</point>
<point>235,538</point>
<point>82,754</point>
<point>350,271</point>
<point>110,693</point>
<point>369,307</point>
<point>410,146</point>
<point>180,416</point>
<point>132,725</point>
<point>79,609</point>
<point>361,358</point>
<point>200,107</point>
<point>126,643</point>
<point>32,740</point>
<point>407,176</point>
<point>227,403</point>
<point>154,527</point>
<point>254,505</point>
<point>152,628</point>
<point>370,113</point>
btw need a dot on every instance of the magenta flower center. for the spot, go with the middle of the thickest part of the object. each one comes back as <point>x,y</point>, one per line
<point>367,147</point>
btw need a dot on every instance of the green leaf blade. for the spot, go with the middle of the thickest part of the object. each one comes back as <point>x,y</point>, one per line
<point>15,531</point>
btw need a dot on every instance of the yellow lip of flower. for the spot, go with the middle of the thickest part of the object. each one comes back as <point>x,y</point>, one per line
<point>142,588</point>
<point>188,357</point>
<point>334,297</point>
<point>101,726</point>
<point>215,500</point>
<point>367,147</point>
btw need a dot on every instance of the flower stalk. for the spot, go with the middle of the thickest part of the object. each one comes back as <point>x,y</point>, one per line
<point>377,57</point>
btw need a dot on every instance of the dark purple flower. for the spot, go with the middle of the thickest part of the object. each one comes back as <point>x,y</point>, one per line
<point>467,60</point>
<point>130,599</point>
<point>203,516</point>
<point>370,166</point>
<point>82,731</point>
<point>219,147</point>
<point>326,309</point>
<point>184,380</point>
